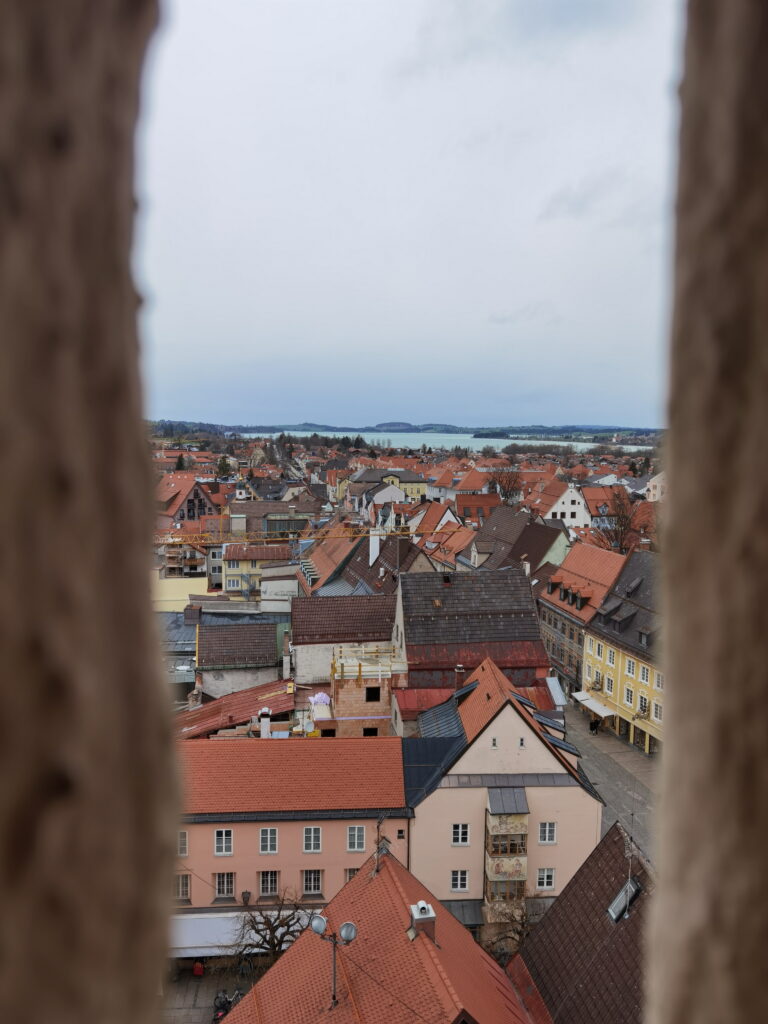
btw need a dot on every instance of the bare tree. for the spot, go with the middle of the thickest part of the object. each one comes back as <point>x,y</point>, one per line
<point>507,482</point>
<point>264,933</point>
<point>506,931</point>
<point>620,522</point>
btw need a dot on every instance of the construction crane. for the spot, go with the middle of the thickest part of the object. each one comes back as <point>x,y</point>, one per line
<point>210,537</point>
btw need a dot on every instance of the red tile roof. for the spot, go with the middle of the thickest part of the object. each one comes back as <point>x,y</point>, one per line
<point>411,702</point>
<point>588,570</point>
<point>234,709</point>
<point>336,620</point>
<point>385,975</point>
<point>235,776</point>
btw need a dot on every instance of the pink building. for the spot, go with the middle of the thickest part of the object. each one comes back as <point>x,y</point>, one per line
<point>265,816</point>
<point>505,815</point>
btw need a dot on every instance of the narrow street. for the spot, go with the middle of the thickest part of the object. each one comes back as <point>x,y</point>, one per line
<point>626,779</point>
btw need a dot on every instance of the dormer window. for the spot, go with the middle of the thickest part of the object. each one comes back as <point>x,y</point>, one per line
<point>550,587</point>
<point>643,638</point>
<point>579,603</point>
<point>563,593</point>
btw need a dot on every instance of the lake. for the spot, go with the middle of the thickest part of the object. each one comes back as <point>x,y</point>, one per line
<point>448,441</point>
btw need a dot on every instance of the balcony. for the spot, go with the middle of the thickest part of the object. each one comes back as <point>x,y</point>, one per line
<point>512,868</point>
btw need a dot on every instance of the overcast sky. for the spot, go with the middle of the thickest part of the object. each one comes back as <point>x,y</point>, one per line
<point>426,210</point>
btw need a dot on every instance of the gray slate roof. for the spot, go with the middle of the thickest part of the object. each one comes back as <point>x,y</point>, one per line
<point>631,605</point>
<point>507,800</point>
<point>469,607</point>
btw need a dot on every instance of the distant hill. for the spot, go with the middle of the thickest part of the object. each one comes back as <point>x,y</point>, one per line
<point>170,428</point>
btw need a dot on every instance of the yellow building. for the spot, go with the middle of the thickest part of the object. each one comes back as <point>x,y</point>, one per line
<point>622,681</point>
<point>241,567</point>
<point>414,486</point>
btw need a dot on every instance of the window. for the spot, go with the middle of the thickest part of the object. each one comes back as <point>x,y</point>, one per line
<point>657,711</point>
<point>313,882</point>
<point>645,674</point>
<point>659,681</point>
<point>460,835</point>
<point>181,888</point>
<point>232,583</point>
<point>545,878</point>
<point>355,838</point>
<point>268,840</point>
<point>401,833</point>
<point>642,704</point>
<point>215,554</point>
<point>629,695</point>
<point>222,845</point>
<point>599,649</point>
<point>232,563</point>
<point>370,732</point>
<point>372,694</point>
<point>570,633</point>
<point>506,845</point>
<point>254,563</point>
<point>215,570</point>
<point>350,873</point>
<point>573,515</point>
<point>494,741</point>
<point>224,885</point>
<point>547,831</point>
<point>598,676</point>
<point>459,881</point>
<point>608,684</point>
<point>506,891</point>
<point>611,656</point>
<point>522,741</point>
<point>589,671</point>
<point>268,883</point>
<point>630,666</point>
<point>312,839</point>
<point>182,844</point>
<point>590,644</point>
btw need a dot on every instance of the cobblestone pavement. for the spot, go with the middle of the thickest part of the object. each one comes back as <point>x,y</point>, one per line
<point>624,777</point>
<point>189,1000</point>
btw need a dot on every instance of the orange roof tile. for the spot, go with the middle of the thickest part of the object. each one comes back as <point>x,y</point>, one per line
<point>236,776</point>
<point>385,974</point>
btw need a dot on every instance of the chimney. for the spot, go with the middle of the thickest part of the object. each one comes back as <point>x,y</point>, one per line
<point>265,723</point>
<point>460,673</point>
<point>374,543</point>
<point>423,919</point>
<point>192,614</point>
<point>286,656</point>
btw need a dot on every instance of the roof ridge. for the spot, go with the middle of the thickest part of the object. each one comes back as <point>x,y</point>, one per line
<point>430,953</point>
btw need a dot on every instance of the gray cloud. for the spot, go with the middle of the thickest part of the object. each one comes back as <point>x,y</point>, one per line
<point>572,202</point>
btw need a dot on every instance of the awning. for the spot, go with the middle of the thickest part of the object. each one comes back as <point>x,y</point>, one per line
<point>195,935</point>
<point>583,697</point>
<point>510,800</point>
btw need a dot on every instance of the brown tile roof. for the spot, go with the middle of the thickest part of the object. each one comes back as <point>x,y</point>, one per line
<point>396,555</point>
<point>385,975</point>
<point>329,620</point>
<point>588,968</point>
<point>251,645</point>
<point>233,709</point>
<point>258,552</point>
<point>238,776</point>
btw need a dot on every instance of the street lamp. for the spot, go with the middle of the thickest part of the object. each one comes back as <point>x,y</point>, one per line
<point>347,934</point>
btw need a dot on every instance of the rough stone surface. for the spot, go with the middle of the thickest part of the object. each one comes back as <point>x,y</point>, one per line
<point>710,930</point>
<point>85,803</point>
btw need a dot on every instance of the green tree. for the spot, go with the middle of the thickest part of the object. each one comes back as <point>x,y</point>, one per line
<point>180,463</point>
<point>223,467</point>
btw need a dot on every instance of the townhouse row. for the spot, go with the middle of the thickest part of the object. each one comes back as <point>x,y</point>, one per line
<point>487,807</point>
